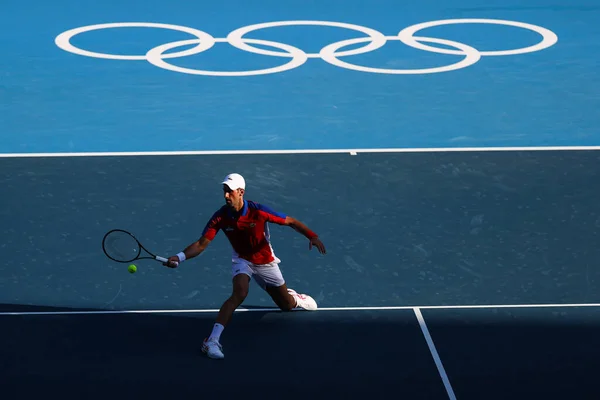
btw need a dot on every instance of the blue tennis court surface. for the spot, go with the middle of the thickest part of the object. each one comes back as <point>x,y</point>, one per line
<point>445,154</point>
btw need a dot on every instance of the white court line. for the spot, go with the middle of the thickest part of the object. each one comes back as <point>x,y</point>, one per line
<point>434,353</point>
<point>300,151</point>
<point>324,309</point>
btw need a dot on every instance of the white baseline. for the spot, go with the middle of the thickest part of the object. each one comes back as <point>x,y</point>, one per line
<point>300,151</point>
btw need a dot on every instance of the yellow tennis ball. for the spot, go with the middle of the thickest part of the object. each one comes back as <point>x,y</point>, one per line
<point>132,268</point>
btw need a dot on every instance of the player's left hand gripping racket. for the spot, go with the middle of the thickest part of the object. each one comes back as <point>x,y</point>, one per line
<point>121,246</point>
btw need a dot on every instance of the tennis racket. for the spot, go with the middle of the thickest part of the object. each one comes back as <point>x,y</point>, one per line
<point>122,246</point>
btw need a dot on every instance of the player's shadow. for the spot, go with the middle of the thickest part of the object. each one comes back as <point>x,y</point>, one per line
<point>268,352</point>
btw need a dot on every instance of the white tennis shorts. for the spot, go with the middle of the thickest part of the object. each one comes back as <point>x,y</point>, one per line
<point>263,274</point>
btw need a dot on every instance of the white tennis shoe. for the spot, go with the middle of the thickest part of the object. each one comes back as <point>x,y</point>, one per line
<point>213,349</point>
<point>303,300</point>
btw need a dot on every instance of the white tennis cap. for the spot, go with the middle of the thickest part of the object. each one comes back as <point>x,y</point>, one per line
<point>235,181</point>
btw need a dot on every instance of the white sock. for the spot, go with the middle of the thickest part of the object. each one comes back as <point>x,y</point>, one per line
<point>216,332</point>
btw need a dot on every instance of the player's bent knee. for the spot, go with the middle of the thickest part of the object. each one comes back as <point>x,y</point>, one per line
<point>286,307</point>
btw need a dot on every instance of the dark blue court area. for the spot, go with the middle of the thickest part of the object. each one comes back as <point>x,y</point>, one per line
<point>401,230</point>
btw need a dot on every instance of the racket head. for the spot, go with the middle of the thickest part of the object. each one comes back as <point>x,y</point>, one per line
<point>121,246</point>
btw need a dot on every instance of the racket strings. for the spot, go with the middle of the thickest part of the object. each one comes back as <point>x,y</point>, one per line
<point>121,246</point>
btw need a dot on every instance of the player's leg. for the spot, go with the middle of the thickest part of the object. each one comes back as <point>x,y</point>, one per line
<point>240,286</point>
<point>270,278</point>
<point>281,297</point>
<point>287,299</point>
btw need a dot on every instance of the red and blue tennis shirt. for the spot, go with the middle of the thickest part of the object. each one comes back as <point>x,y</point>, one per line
<point>247,230</point>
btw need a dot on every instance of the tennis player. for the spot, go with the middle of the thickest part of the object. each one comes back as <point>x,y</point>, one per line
<point>245,223</point>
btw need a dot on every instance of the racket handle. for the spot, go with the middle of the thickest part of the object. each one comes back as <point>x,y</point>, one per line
<point>162,259</point>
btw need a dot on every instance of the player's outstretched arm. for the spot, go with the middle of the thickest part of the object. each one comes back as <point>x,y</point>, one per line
<point>191,251</point>
<point>304,230</point>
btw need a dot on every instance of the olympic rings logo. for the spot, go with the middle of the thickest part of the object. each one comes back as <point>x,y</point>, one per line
<point>331,53</point>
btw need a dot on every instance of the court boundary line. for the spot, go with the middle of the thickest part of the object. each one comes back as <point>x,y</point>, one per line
<point>434,353</point>
<point>300,151</point>
<point>324,309</point>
